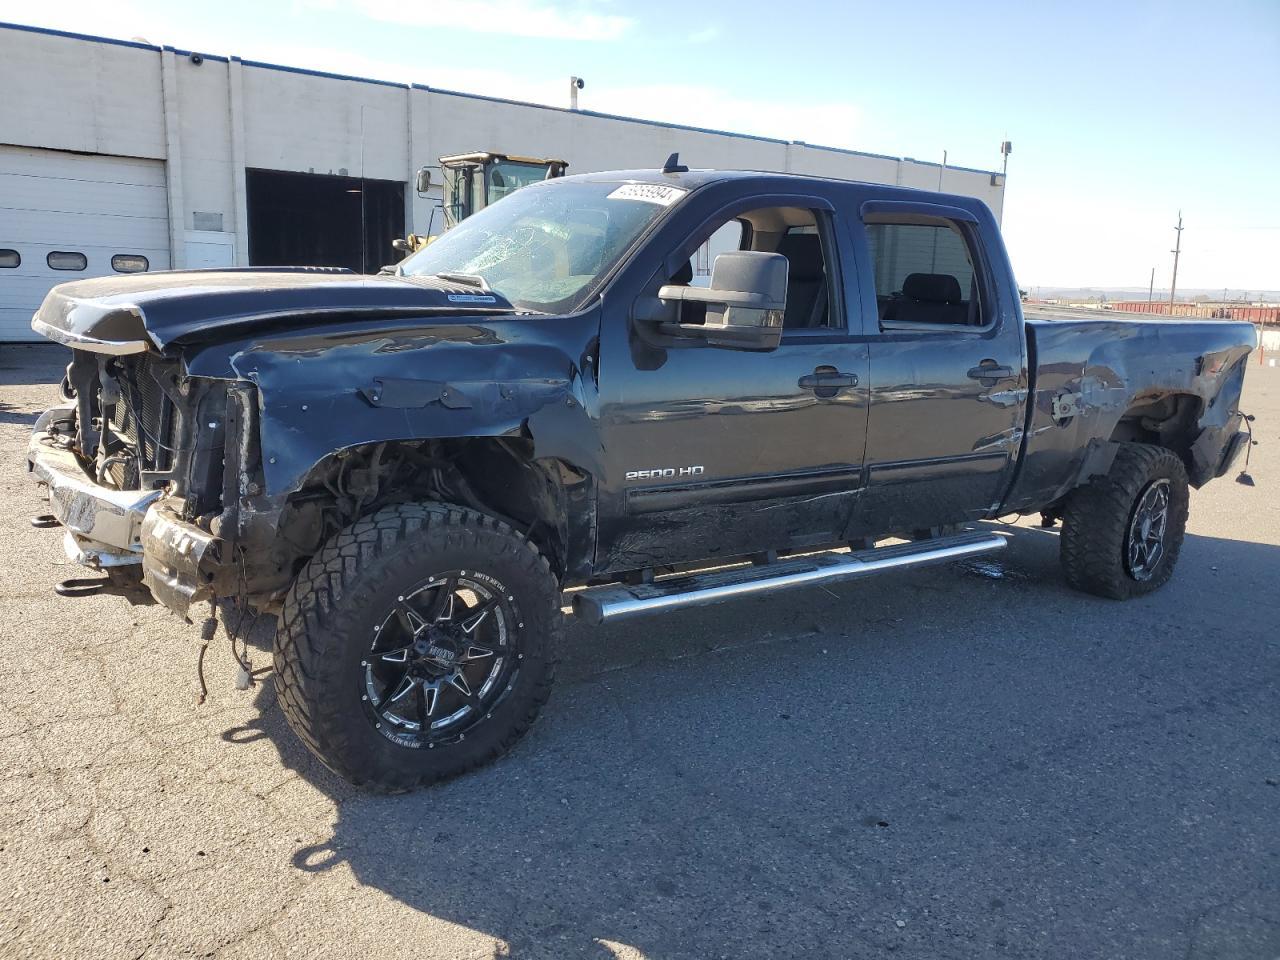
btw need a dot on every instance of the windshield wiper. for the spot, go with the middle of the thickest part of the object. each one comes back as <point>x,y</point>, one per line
<point>469,279</point>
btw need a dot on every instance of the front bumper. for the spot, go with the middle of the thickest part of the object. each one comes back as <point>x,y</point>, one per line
<point>116,528</point>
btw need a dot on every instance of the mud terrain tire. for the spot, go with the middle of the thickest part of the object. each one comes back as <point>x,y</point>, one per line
<point>327,653</point>
<point>1105,548</point>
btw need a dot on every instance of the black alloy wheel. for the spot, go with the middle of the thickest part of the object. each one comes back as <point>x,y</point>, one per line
<point>417,644</point>
<point>441,658</point>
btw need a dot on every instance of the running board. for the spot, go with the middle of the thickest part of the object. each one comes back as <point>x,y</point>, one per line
<point>614,602</point>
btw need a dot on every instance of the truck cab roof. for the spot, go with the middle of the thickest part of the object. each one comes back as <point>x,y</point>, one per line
<point>695,179</point>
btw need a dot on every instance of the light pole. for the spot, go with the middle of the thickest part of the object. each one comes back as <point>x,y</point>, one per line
<point>1006,148</point>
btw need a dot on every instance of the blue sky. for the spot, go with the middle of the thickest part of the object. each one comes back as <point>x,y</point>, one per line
<point>1120,113</point>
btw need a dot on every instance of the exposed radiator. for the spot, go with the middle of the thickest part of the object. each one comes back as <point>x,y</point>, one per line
<point>143,419</point>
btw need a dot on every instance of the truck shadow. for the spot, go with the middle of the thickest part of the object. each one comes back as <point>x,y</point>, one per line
<point>12,414</point>
<point>679,798</point>
<point>36,364</point>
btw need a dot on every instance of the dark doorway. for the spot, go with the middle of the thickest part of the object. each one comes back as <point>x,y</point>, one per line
<point>308,219</point>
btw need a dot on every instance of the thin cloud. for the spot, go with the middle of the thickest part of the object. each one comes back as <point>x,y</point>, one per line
<point>837,124</point>
<point>705,35</point>
<point>521,18</point>
<point>829,123</point>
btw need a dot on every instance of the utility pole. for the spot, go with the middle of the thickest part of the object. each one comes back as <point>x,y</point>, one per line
<point>1176,251</point>
<point>1006,148</point>
<point>1151,287</point>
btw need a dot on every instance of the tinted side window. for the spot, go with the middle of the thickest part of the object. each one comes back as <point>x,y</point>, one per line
<point>808,278</point>
<point>924,273</point>
<point>10,259</point>
<point>801,235</point>
<point>729,237</point>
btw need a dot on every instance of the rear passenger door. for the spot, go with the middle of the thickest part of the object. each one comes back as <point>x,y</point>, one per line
<point>946,368</point>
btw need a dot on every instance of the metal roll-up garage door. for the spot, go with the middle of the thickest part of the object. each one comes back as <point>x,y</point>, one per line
<point>66,216</point>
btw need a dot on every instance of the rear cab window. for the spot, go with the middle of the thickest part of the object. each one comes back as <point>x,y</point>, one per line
<point>927,274</point>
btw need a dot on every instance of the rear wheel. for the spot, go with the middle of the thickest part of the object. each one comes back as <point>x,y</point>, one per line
<point>417,644</point>
<point>1122,532</point>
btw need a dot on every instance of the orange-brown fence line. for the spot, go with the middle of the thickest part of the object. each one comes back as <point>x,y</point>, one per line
<point>1202,311</point>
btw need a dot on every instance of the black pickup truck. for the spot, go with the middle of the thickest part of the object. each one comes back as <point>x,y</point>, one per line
<point>409,469</point>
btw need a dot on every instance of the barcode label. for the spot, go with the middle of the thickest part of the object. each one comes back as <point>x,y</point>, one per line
<point>658,193</point>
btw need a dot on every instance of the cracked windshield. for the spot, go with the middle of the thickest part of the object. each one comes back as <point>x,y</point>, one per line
<point>547,249</point>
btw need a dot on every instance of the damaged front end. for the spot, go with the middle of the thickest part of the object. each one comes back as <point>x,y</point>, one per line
<point>154,469</point>
<point>180,560</point>
<point>133,468</point>
<point>218,427</point>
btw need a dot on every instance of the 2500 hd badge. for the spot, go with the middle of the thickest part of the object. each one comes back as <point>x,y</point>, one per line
<point>664,473</point>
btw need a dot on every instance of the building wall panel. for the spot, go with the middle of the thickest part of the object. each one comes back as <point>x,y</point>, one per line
<point>309,124</point>
<point>66,94</point>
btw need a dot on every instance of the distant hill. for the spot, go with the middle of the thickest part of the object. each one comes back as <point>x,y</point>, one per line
<point>1188,295</point>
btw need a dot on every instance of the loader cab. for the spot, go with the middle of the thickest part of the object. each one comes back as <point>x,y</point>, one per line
<point>472,181</point>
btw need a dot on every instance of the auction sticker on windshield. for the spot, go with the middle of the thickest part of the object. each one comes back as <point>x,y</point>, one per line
<point>658,193</point>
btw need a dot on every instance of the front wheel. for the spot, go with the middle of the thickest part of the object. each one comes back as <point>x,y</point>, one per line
<point>1122,532</point>
<point>417,644</point>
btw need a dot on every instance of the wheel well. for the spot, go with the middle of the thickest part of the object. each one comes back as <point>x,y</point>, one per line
<point>498,476</point>
<point>1171,420</point>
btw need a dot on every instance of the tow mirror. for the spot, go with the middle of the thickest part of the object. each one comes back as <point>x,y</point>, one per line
<point>424,180</point>
<point>745,302</point>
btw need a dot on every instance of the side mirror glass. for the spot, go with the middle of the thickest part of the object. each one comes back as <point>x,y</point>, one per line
<point>424,180</point>
<point>745,302</point>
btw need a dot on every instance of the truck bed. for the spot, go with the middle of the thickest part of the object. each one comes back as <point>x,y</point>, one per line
<point>1092,373</point>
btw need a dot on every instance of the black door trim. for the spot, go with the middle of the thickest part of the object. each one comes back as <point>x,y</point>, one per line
<point>911,471</point>
<point>641,500</point>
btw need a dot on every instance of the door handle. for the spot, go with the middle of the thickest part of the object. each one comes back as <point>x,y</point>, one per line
<point>990,370</point>
<point>827,378</point>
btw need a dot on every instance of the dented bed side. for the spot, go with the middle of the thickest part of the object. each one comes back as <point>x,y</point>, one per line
<point>1089,374</point>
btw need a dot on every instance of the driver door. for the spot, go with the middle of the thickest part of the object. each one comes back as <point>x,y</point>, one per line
<point>716,452</point>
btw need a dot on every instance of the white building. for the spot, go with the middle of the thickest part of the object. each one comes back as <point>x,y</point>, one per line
<point>120,155</point>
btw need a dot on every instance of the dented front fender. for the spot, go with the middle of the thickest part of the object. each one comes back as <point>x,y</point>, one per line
<point>327,388</point>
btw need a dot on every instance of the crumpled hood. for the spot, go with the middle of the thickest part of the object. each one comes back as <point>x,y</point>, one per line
<point>129,314</point>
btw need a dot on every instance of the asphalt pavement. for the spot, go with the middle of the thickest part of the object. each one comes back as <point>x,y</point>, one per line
<point>966,761</point>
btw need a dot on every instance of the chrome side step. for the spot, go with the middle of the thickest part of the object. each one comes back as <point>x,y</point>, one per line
<point>614,602</point>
